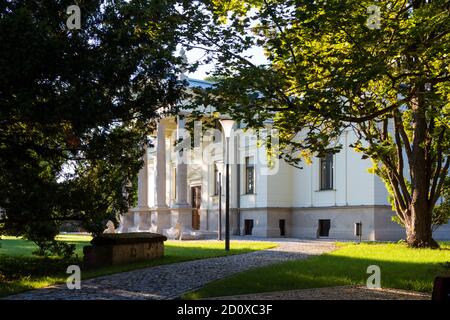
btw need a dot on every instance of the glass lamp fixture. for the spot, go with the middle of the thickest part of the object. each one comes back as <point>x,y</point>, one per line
<point>227,126</point>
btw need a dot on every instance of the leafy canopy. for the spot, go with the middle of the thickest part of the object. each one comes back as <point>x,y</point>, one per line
<point>76,107</point>
<point>334,66</point>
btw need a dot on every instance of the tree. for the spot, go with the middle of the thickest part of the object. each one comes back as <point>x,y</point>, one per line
<point>381,70</point>
<point>76,106</point>
<point>441,212</point>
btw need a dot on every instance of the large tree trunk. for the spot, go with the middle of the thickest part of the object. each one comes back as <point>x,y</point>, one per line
<point>418,228</point>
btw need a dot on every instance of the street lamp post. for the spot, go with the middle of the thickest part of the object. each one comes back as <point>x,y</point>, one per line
<point>227,202</point>
<point>227,126</point>
<point>220,207</point>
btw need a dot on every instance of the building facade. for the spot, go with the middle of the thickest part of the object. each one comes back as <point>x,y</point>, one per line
<point>268,198</point>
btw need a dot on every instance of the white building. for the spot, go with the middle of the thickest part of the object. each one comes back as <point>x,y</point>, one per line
<point>324,199</point>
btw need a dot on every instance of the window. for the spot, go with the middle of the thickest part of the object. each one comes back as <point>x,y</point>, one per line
<point>282,224</point>
<point>326,172</point>
<point>248,227</point>
<point>324,228</point>
<point>249,175</point>
<point>216,181</point>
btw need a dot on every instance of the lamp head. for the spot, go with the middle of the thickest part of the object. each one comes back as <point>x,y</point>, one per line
<point>227,126</point>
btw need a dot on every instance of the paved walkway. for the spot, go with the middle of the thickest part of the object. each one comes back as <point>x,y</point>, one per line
<point>333,293</point>
<point>172,280</point>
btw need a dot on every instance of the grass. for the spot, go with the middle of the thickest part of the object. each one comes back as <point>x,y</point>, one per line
<point>12,246</point>
<point>401,268</point>
<point>21,271</point>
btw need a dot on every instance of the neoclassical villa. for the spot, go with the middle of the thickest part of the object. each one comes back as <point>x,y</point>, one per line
<point>323,199</point>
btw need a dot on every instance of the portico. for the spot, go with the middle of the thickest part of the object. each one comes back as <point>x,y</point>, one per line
<point>162,204</point>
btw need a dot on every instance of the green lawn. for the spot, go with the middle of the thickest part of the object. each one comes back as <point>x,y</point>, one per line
<point>21,271</point>
<point>401,267</point>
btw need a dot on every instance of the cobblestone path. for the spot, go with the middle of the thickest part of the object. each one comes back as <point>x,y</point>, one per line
<point>170,281</point>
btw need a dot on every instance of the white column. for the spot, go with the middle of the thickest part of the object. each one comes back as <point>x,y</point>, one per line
<point>181,176</point>
<point>140,216</point>
<point>143,183</point>
<point>151,183</point>
<point>161,167</point>
<point>181,211</point>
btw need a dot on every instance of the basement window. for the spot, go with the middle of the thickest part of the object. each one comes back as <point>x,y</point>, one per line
<point>324,228</point>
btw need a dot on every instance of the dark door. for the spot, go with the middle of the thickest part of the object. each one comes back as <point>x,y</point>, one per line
<point>196,202</point>
<point>282,227</point>
<point>324,228</point>
<point>248,226</point>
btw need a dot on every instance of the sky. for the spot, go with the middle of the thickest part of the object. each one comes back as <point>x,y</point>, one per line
<point>194,55</point>
<point>201,72</point>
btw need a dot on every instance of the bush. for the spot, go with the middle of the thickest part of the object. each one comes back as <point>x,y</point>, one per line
<point>49,248</point>
<point>71,226</point>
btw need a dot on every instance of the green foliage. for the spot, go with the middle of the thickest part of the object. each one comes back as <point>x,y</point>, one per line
<point>329,70</point>
<point>441,213</point>
<point>48,248</point>
<point>76,107</point>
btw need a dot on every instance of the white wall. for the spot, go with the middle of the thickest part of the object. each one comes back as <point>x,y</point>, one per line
<point>248,148</point>
<point>280,186</point>
<point>352,185</point>
<point>290,187</point>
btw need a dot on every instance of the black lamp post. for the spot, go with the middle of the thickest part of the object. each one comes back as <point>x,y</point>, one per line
<point>220,207</point>
<point>227,126</point>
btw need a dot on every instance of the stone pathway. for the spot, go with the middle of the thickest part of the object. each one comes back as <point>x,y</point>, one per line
<point>172,280</point>
<point>333,293</point>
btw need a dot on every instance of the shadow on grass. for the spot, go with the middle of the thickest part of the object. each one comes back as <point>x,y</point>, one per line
<point>22,272</point>
<point>334,269</point>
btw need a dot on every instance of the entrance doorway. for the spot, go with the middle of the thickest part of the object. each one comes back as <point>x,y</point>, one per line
<point>196,193</point>
<point>248,227</point>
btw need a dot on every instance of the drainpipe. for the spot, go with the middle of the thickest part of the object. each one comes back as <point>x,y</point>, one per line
<point>238,184</point>
<point>346,170</point>
<point>238,197</point>
<point>312,187</point>
<point>219,227</point>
